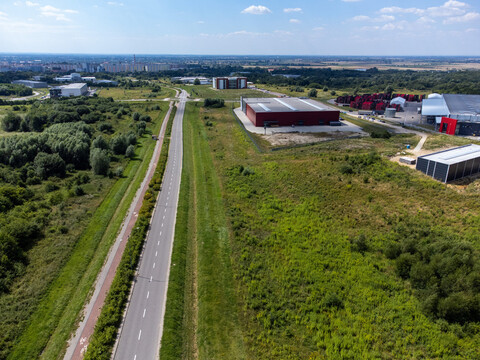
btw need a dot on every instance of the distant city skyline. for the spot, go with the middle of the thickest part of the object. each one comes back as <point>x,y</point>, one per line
<point>329,27</point>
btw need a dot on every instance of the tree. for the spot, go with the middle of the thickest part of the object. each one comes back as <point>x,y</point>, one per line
<point>389,89</point>
<point>100,143</point>
<point>119,144</point>
<point>99,161</point>
<point>196,82</point>
<point>136,116</point>
<point>11,122</point>
<point>312,93</point>
<point>130,152</point>
<point>49,165</point>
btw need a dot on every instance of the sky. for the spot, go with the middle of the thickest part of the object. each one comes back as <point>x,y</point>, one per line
<point>262,27</point>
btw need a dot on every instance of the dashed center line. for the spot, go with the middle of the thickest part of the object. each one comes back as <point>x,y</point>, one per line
<point>154,265</point>
<point>148,292</point>
<point>144,311</point>
<point>139,335</point>
<point>156,253</point>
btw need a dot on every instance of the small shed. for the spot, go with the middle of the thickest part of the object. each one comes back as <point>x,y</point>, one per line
<point>451,164</point>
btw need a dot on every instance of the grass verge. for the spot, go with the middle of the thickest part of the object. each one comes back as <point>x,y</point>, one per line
<point>105,334</point>
<point>58,313</point>
<point>218,334</point>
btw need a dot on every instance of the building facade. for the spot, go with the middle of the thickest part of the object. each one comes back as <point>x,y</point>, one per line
<point>223,83</point>
<point>77,89</point>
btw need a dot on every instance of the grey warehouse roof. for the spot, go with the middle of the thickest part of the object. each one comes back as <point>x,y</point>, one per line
<point>455,155</point>
<point>452,105</point>
<point>463,104</point>
<point>260,105</point>
<point>73,86</point>
<point>435,107</point>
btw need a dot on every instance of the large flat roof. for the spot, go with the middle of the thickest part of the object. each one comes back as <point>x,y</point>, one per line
<point>74,86</point>
<point>261,105</point>
<point>452,105</point>
<point>455,155</point>
<point>463,104</point>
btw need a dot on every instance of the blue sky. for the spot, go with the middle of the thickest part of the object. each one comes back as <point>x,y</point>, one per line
<point>270,27</point>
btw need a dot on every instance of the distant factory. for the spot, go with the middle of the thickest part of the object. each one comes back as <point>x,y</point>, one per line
<point>288,112</point>
<point>31,84</point>
<point>70,90</point>
<point>455,114</point>
<point>76,77</point>
<point>222,83</point>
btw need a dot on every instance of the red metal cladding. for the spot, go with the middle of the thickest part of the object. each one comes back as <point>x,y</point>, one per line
<point>448,126</point>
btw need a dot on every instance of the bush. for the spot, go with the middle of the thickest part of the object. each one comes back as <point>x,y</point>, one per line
<point>11,122</point>
<point>214,103</point>
<point>380,134</point>
<point>99,161</point>
<point>312,93</point>
<point>130,152</point>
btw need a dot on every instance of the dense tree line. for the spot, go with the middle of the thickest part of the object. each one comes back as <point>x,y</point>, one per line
<point>373,80</point>
<point>15,89</point>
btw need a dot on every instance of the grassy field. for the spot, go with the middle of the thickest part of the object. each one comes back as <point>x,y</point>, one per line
<point>311,232</point>
<point>206,91</point>
<point>436,141</point>
<point>66,295</point>
<point>202,319</point>
<point>119,93</point>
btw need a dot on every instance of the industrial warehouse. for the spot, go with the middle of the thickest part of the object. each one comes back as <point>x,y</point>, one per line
<point>77,89</point>
<point>451,164</point>
<point>456,114</point>
<point>288,112</point>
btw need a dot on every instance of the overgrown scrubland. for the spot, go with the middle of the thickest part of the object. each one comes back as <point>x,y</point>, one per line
<point>339,253</point>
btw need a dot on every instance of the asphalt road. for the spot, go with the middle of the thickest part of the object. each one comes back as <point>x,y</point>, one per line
<point>143,325</point>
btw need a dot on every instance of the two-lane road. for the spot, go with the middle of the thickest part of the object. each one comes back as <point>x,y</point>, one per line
<point>142,329</point>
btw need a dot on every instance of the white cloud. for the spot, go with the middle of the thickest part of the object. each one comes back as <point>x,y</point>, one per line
<point>29,3</point>
<point>289,10</point>
<point>351,0</point>
<point>381,18</point>
<point>318,28</point>
<point>425,20</point>
<point>3,16</point>
<point>472,30</point>
<point>200,22</point>
<point>399,10</point>
<point>114,3</point>
<point>294,21</point>
<point>464,18</point>
<point>256,10</point>
<point>58,14</point>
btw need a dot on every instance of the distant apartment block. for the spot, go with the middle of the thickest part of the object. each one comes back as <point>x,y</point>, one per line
<point>222,83</point>
<point>31,84</point>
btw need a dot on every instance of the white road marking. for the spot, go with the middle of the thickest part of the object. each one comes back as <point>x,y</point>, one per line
<point>135,357</point>
<point>144,311</point>
<point>158,242</point>
<point>151,278</point>
<point>139,335</point>
<point>148,292</point>
<point>165,211</point>
<point>156,253</point>
<point>162,225</point>
<point>154,265</point>
<point>160,234</point>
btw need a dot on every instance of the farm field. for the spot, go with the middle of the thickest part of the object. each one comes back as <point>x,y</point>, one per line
<point>337,252</point>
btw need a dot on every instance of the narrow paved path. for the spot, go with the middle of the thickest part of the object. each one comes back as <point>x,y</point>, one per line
<point>79,343</point>
<point>143,324</point>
